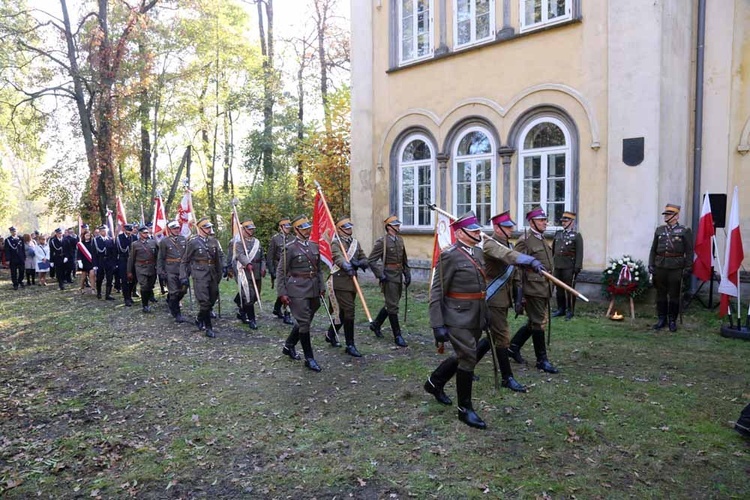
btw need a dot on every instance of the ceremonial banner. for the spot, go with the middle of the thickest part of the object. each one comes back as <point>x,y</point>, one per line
<point>730,275</point>
<point>121,219</point>
<point>185,214</point>
<point>704,238</point>
<point>160,218</point>
<point>322,230</point>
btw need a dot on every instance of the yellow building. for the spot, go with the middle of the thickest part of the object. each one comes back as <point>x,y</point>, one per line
<point>583,105</point>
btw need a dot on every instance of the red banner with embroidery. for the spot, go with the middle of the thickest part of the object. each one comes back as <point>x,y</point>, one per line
<point>322,229</point>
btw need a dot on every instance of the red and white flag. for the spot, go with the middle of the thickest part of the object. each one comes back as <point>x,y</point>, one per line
<point>185,214</point>
<point>84,251</point>
<point>110,224</point>
<point>121,219</point>
<point>444,237</point>
<point>730,273</point>
<point>160,218</point>
<point>703,260</point>
<point>322,229</point>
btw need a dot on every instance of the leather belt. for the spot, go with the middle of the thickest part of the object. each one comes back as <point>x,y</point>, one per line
<point>393,266</point>
<point>304,275</point>
<point>203,261</point>
<point>466,296</point>
<point>174,260</point>
<point>145,262</point>
<point>667,254</point>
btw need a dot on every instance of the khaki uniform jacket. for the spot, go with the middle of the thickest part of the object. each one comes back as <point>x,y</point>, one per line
<point>142,259</point>
<point>258,261</point>
<point>300,275</point>
<point>171,250</point>
<point>535,285</point>
<point>458,273</point>
<point>396,261</point>
<point>672,248</point>
<point>202,259</point>
<point>567,248</point>
<point>275,249</point>
<point>498,256</point>
<point>341,280</point>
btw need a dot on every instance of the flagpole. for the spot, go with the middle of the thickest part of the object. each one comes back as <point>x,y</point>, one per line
<point>244,247</point>
<point>343,251</point>
<point>547,275</point>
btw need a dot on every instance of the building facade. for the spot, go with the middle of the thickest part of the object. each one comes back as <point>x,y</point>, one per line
<point>582,105</point>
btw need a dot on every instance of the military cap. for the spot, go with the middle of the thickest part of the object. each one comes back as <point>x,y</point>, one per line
<point>671,209</point>
<point>12,228</point>
<point>344,223</point>
<point>128,227</point>
<point>536,213</point>
<point>84,226</point>
<point>503,219</point>
<point>301,222</point>
<point>568,215</point>
<point>173,224</point>
<point>102,227</point>
<point>143,229</point>
<point>204,223</point>
<point>467,221</point>
<point>392,221</point>
<point>248,224</point>
<point>58,230</point>
<point>285,222</point>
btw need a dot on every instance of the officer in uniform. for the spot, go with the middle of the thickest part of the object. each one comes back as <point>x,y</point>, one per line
<point>567,251</point>
<point>70,249</point>
<point>342,291</point>
<point>105,262</point>
<point>123,242</point>
<point>500,263</point>
<point>275,251</point>
<point>203,261</point>
<point>389,263</point>
<point>57,257</point>
<point>171,249</point>
<point>670,261</point>
<point>142,265</point>
<point>300,285</point>
<point>15,252</point>
<point>536,292</point>
<point>249,256</point>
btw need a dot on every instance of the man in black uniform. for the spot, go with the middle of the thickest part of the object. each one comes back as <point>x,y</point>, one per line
<point>105,262</point>
<point>70,249</point>
<point>123,242</point>
<point>15,252</point>
<point>275,253</point>
<point>670,261</point>
<point>567,251</point>
<point>299,286</point>
<point>57,257</point>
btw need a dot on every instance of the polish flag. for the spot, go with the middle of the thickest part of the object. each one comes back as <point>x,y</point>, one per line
<point>185,214</point>
<point>160,218</point>
<point>729,286</point>
<point>121,219</point>
<point>704,238</point>
<point>323,230</point>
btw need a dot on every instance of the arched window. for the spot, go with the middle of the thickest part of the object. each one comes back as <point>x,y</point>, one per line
<point>474,174</point>
<point>545,168</point>
<point>416,167</point>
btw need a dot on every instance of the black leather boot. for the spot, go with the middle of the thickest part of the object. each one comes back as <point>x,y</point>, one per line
<point>242,316</point>
<point>277,308</point>
<point>517,342</point>
<point>304,338</point>
<point>466,413</point>
<point>661,310</point>
<point>332,337</point>
<point>108,293</point>
<point>435,384</point>
<point>506,372</point>
<point>351,349</point>
<point>250,313</point>
<point>378,322</point>
<point>144,302</point>
<point>540,349</point>
<point>209,327</point>
<point>291,342</point>
<point>396,329</point>
<point>560,308</point>
<point>674,311</point>
<point>287,318</point>
<point>178,317</point>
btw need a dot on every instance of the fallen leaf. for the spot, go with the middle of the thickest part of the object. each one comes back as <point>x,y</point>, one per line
<point>361,482</point>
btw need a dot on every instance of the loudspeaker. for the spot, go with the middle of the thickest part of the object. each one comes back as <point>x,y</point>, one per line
<point>718,208</point>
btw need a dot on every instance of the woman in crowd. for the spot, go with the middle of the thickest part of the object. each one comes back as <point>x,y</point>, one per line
<point>86,262</point>
<point>30,246</point>
<point>41,259</point>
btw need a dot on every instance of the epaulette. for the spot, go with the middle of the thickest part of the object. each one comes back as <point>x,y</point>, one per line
<point>451,248</point>
<point>289,243</point>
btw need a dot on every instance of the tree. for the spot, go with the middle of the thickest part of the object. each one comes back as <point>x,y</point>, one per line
<point>333,49</point>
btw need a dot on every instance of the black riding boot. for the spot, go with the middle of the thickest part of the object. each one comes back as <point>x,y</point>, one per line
<point>674,311</point>
<point>378,322</point>
<point>506,372</point>
<point>291,341</point>
<point>310,362</point>
<point>351,349</point>
<point>250,313</point>
<point>98,289</point>
<point>435,384</point>
<point>331,335</point>
<point>466,413</point>
<point>178,317</point>
<point>108,292</point>
<point>209,327</point>
<point>517,342</point>
<point>661,310</point>
<point>277,308</point>
<point>542,363</point>
<point>560,307</point>
<point>396,329</point>
<point>144,301</point>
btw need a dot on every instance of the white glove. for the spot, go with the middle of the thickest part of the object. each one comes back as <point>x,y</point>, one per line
<point>51,264</point>
<point>79,263</point>
<point>65,260</point>
<point>96,269</point>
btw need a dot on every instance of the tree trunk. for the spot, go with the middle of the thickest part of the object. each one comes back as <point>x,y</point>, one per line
<point>321,21</point>
<point>266,48</point>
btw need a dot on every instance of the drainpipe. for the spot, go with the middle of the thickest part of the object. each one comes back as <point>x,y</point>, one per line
<point>698,133</point>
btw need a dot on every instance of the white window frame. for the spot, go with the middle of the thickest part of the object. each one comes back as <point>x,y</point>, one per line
<point>492,156</point>
<point>544,172</point>
<point>415,165</point>
<point>430,35</point>
<point>473,40</point>
<point>545,20</point>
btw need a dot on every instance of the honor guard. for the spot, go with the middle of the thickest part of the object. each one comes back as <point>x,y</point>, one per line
<point>105,258</point>
<point>57,257</point>
<point>15,253</point>
<point>670,261</point>
<point>275,251</point>
<point>123,242</point>
<point>203,261</point>
<point>249,266</point>
<point>142,265</point>
<point>389,263</point>
<point>171,249</point>
<point>567,252</point>
<point>70,243</point>
<point>536,292</point>
<point>299,286</point>
<point>342,290</point>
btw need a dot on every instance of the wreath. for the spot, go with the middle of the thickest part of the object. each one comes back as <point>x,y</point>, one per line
<point>624,276</point>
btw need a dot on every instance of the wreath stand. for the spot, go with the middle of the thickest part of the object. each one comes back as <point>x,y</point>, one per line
<point>624,286</point>
<point>611,308</point>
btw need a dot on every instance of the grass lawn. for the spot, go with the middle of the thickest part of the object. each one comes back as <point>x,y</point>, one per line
<point>99,400</point>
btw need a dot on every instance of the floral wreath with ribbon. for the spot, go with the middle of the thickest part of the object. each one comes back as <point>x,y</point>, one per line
<point>624,276</point>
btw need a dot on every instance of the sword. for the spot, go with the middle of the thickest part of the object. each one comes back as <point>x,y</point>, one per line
<point>333,325</point>
<point>495,361</point>
<point>406,303</point>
